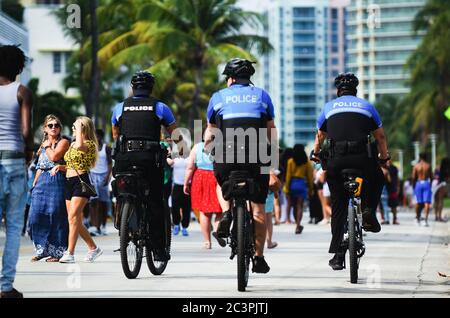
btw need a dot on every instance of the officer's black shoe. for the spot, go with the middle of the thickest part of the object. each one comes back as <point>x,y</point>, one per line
<point>223,230</point>
<point>220,240</point>
<point>260,266</point>
<point>337,263</point>
<point>370,222</point>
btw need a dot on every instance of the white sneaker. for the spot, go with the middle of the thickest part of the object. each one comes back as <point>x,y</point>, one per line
<point>92,255</point>
<point>67,258</point>
<point>323,222</point>
<point>426,223</point>
<point>104,231</point>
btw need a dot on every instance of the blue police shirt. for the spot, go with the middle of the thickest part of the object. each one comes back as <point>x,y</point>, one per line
<point>240,101</point>
<point>348,118</point>
<point>161,110</point>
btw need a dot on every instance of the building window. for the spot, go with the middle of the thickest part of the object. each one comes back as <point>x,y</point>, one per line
<point>304,12</point>
<point>334,13</point>
<point>56,62</point>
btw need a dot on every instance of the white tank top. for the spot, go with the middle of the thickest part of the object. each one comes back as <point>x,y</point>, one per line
<point>102,162</point>
<point>179,170</point>
<point>10,119</point>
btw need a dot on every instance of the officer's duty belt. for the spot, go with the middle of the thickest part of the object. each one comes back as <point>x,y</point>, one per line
<point>141,145</point>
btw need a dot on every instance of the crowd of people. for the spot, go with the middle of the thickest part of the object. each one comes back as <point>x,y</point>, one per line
<point>69,177</point>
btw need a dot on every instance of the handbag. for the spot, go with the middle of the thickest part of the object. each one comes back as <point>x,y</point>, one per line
<point>86,188</point>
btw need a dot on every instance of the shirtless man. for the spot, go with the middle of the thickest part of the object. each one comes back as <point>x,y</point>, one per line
<point>421,175</point>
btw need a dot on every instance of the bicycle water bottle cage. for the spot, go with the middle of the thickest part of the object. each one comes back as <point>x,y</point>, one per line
<point>239,185</point>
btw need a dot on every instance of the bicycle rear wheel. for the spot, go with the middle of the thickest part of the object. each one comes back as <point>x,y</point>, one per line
<point>243,261</point>
<point>352,245</point>
<point>130,251</point>
<point>158,267</point>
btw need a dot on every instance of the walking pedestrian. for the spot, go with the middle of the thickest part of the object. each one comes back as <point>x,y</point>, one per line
<point>181,202</point>
<point>393,188</point>
<point>274,188</point>
<point>442,188</point>
<point>48,225</point>
<point>80,158</point>
<point>422,188</point>
<point>15,153</point>
<point>299,183</point>
<point>201,184</point>
<point>100,176</point>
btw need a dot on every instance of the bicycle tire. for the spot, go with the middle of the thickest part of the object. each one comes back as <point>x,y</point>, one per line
<point>126,255</point>
<point>352,246</point>
<point>242,264</point>
<point>157,268</point>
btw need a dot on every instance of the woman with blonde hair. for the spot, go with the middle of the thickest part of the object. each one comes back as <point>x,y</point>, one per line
<point>80,158</point>
<point>48,226</point>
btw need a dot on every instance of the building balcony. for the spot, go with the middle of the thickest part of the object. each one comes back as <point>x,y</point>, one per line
<point>391,5</point>
<point>366,35</point>
<point>12,32</point>
<point>384,49</point>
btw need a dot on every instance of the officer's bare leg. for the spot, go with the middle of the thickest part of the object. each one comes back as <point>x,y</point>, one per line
<point>259,216</point>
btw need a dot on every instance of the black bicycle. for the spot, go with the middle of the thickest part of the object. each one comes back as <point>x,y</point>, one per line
<point>353,237</point>
<point>133,219</point>
<point>237,189</point>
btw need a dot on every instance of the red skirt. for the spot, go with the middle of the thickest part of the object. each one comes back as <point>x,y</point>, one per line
<point>203,192</point>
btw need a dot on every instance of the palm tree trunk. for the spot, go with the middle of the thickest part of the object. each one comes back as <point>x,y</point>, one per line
<point>193,111</point>
<point>92,105</point>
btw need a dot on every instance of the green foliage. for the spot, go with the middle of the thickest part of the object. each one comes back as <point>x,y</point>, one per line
<point>430,78</point>
<point>66,109</point>
<point>13,8</point>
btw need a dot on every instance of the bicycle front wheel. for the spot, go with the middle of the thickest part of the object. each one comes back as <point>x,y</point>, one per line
<point>352,246</point>
<point>130,251</point>
<point>243,261</point>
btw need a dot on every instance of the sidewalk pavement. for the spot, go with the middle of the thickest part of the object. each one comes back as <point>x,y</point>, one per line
<point>401,261</point>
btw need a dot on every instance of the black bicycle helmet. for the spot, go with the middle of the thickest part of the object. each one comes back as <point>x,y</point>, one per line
<point>346,81</point>
<point>239,68</point>
<point>142,80</point>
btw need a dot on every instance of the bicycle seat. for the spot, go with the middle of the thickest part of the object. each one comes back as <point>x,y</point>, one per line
<point>353,173</point>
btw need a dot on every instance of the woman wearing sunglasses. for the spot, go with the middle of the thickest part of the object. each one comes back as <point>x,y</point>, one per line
<point>48,226</point>
<point>80,158</point>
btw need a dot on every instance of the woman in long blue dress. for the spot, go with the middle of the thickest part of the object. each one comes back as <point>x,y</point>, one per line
<point>48,225</point>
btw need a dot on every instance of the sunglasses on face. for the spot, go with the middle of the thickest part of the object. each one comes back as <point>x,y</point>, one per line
<point>51,126</point>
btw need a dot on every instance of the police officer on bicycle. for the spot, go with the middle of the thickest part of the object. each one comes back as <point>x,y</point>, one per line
<point>136,129</point>
<point>346,123</point>
<point>242,105</point>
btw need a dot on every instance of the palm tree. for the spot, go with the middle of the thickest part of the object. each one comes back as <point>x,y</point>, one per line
<point>184,39</point>
<point>429,64</point>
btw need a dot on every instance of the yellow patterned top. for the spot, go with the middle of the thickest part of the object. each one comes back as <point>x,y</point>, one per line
<point>80,160</point>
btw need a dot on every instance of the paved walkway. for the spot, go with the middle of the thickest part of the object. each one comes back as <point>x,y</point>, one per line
<point>400,261</point>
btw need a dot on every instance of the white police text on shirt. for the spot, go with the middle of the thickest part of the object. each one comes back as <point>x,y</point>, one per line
<point>241,99</point>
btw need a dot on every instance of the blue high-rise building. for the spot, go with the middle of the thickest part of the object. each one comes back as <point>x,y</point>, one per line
<point>309,50</point>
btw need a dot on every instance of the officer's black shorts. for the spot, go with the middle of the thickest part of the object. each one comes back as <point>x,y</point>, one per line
<point>222,172</point>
